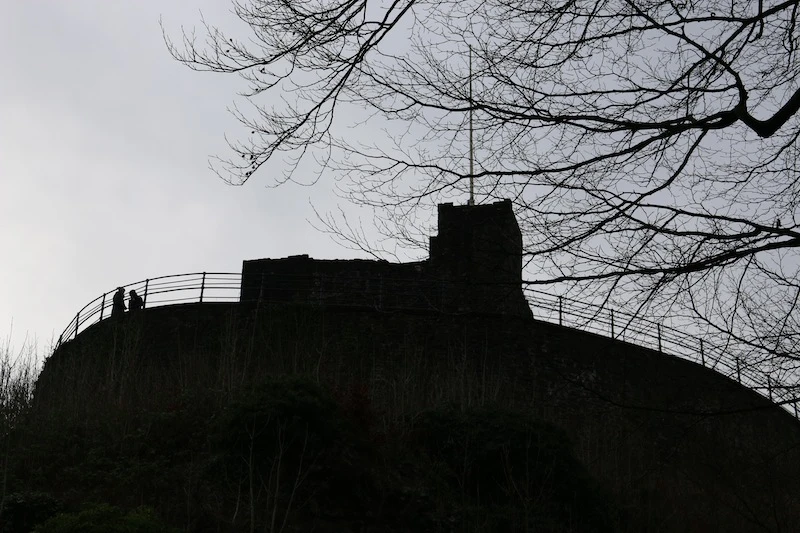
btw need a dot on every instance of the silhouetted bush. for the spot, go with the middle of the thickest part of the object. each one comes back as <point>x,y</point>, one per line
<point>101,518</point>
<point>512,472</point>
<point>23,510</point>
<point>288,445</point>
<point>286,415</point>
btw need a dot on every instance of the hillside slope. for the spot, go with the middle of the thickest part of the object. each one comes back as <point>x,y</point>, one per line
<point>672,446</point>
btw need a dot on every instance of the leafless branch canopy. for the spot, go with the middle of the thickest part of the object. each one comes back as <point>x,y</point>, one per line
<point>649,146</point>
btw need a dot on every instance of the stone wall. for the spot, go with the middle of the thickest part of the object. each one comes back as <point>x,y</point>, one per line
<point>475,266</point>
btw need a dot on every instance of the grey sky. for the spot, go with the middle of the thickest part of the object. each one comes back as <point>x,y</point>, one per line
<point>104,180</point>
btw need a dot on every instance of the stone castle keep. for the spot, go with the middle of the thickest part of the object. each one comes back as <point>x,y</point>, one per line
<point>677,445</point>
<point>475,266</point>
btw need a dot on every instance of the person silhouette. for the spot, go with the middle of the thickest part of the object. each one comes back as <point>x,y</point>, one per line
<point>136,302</point>
<point>118,304</point>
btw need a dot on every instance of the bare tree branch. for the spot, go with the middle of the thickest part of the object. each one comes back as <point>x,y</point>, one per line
<point>649,147</point>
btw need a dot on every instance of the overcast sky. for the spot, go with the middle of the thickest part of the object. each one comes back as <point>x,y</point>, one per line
<point>104,145</point>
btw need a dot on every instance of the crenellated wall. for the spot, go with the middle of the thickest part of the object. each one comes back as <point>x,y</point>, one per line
<point>475,265</point>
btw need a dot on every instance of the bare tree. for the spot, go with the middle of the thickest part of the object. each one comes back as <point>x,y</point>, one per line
<point>649,146</point>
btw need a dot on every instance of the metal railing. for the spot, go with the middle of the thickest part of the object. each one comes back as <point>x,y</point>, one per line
<point>164,290</point>
<point>747,369</point>
<point>202,287</point>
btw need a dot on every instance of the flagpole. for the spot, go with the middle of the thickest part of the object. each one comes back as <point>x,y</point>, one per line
<point>471,145</point>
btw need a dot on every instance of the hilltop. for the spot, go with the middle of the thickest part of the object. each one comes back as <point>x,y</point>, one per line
<point>367,396</point>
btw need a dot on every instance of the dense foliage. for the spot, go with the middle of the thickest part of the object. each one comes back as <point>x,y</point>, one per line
<point>291,455</point>
<point>104,518</point>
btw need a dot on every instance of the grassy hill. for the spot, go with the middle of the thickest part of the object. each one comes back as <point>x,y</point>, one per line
<point>224,417</point>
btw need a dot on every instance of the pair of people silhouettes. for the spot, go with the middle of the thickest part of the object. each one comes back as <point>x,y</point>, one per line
<point>118,304</point>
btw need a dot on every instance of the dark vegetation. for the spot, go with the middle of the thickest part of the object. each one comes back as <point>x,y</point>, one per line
<point>282,418</point>
<point>291,455</point>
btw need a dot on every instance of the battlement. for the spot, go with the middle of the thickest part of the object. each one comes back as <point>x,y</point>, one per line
<point>475,266</point>
<point>481,243</point>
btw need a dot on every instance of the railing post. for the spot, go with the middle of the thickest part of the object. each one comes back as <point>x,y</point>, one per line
<point>77,323</point>
<point>769,387</point>
<point>202,287</point>
<point>102,307</point>
<point>59,344</point>
<point>612,323</point>
<point>796,415</point>
<point>560,311</point>
<point>146,286</point>
<point>658,328</point>
<point>738,370</point>
<point>702,353</point>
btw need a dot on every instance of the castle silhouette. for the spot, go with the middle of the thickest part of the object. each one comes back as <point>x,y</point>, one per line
<point>677,442</point>
<point>475,266</point>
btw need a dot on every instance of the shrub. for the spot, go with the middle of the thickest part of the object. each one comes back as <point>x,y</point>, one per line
<point>287,416</point>
<point>508,466</point>
<point>22,510</point>
<point>102,518</point>
<point>287,445</point>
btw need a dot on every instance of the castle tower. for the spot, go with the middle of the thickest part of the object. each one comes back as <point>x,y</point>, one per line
<point>479,248</point>
<point>475,266</point>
